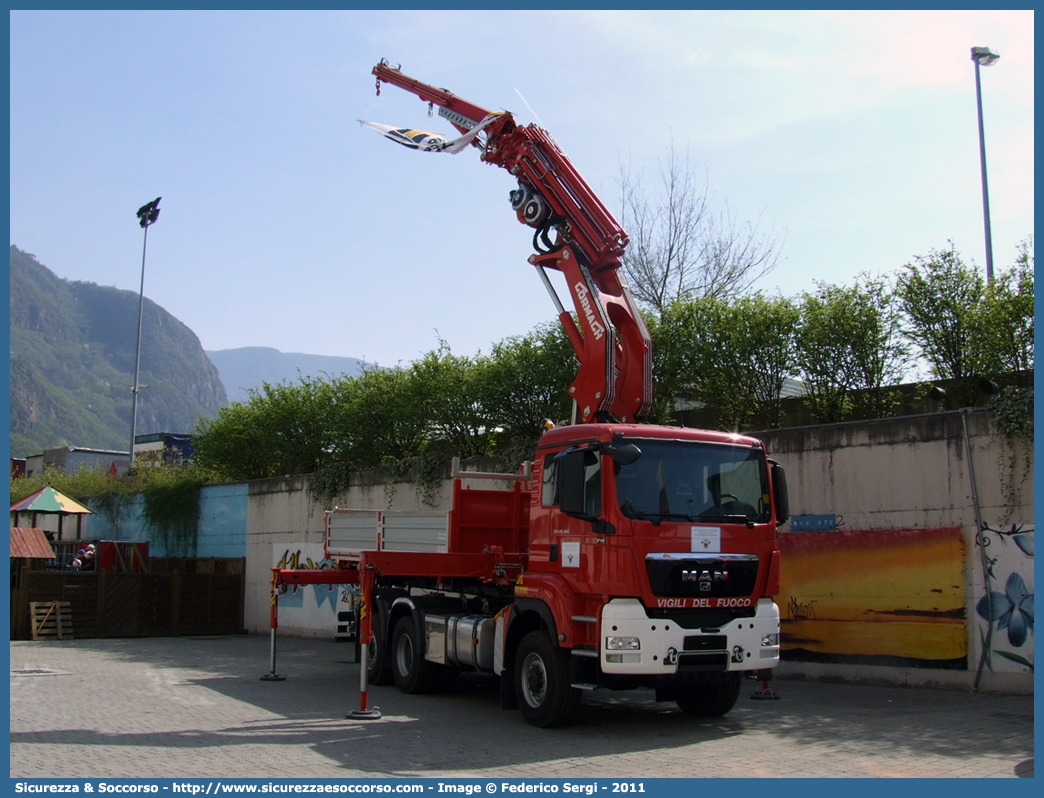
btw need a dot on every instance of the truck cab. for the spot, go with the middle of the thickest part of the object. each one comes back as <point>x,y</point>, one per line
<point>656,549</point>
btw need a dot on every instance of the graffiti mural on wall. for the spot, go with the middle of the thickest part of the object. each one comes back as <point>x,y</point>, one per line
<point>892,597</point>
<point>293,595</point>
<point>312,607</point>
<point>1006,608</point>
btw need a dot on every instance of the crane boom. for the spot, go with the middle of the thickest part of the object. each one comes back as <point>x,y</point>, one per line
<point>575,234</point>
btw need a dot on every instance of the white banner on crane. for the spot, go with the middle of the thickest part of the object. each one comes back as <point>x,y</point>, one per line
<point>429,142</point>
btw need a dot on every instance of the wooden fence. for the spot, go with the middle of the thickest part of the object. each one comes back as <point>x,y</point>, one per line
<point>108,604</point>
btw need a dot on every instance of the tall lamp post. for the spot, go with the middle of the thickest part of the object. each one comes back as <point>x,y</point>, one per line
<point>983,56</point>
<point>147,215</point>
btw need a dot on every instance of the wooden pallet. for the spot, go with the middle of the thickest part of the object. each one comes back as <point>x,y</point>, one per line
<point>51,620</point>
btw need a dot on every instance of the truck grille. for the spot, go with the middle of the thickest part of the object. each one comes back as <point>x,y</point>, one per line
<point>682,576</point>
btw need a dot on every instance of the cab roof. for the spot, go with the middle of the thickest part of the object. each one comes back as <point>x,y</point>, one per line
<point>560,436</point>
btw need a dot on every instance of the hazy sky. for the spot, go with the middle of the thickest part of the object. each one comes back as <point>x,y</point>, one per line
<point>285,224</point>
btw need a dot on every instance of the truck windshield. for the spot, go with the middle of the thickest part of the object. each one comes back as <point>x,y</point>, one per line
<point>690,481</point>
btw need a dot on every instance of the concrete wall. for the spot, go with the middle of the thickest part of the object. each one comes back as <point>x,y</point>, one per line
<point>901,473</point>
<point>899,588</point>
<point>222,529</point>
<point>895,593</point>
<point>285,525</point>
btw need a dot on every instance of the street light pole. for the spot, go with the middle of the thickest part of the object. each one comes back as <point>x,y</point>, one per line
<point>147,215</point>
<point>982,56</point>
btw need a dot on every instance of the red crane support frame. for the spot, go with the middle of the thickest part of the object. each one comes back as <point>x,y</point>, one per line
<point>612,344</point>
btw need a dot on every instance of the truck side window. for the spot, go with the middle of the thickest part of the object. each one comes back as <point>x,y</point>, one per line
<point>592,484</point>
<point>549,491</point>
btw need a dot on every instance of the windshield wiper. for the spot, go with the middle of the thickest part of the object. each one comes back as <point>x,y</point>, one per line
<point>639,515</point>
<point>657,518</point>
<point>725,518</point>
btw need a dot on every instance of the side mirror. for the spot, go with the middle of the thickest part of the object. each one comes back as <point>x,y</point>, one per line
<point>571,481</point>
<point>622,455</point>
<point>779,492</point>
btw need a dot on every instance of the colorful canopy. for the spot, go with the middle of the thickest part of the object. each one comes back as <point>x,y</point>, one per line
<point>48,500</point>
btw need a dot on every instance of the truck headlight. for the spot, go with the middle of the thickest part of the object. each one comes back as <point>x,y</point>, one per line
<point>623,644</point>
<point>770,640</point>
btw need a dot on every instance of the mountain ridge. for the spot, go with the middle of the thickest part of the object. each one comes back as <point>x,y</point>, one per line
<point>72,364</point>
<point>73,348</point>
<point>245,368</point>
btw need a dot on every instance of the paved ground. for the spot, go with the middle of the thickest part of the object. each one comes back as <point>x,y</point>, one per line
<point>195,707</point>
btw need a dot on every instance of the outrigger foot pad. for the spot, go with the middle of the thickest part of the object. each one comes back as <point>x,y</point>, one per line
<point>273,677</point>
<point>766,693</point>
<point>365,714</point>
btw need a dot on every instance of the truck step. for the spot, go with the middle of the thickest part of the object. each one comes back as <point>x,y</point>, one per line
<point>584,686</point>
<point>585,651</point>
<point>585,619</point>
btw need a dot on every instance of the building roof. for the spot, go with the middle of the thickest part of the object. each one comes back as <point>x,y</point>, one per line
<point>48,500</point>
<point>31,542</point>
<point>79,450</point>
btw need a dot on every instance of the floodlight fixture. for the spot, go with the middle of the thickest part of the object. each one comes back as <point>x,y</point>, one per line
<point>149,212</point>
<point>984,56</point>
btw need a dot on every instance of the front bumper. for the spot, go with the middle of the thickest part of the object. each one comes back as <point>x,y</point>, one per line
<point>664,648</point>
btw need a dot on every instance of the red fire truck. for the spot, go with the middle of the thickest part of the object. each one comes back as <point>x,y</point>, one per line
<point>625,554</point>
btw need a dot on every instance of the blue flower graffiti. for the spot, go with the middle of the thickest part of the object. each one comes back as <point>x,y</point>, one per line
<point>1012,609</point>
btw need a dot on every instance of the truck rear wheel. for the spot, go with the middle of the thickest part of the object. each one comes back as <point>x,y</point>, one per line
<point>709,699</point>
<point>542,688</point>
<point>378,670</point>
<point>413,673</point>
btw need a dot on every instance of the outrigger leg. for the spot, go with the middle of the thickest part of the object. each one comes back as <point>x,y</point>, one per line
<point>272,676</point>
<point>766,693</point>
<point>365,577</point>
<point>365,631</point>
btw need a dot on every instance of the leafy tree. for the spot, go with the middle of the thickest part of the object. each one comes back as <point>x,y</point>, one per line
<point>967,328</point>
<point>299,425</point>
<point>766,351</point>
<point>232,445</point>
<point>383,414</point>
<point>730,357</point>
<point>940,296</point>
<point>1004,323</point>
<point>680,249</point>
<point>524,381</point>
<point>849,349</point>
<point>459,413</point>
<point>281,429</point>
<point>674,333</point>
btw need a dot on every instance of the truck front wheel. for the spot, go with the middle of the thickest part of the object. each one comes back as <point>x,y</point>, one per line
<point>413,673</point>
<point>542,688</point>
<point>708,699</point>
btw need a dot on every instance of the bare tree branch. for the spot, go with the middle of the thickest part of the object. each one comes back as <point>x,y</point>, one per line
<point>681,250</point>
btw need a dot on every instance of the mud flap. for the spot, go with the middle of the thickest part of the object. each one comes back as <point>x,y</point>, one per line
<point>665,692</point>
<point>584,672</point>
<point>507,687</point>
